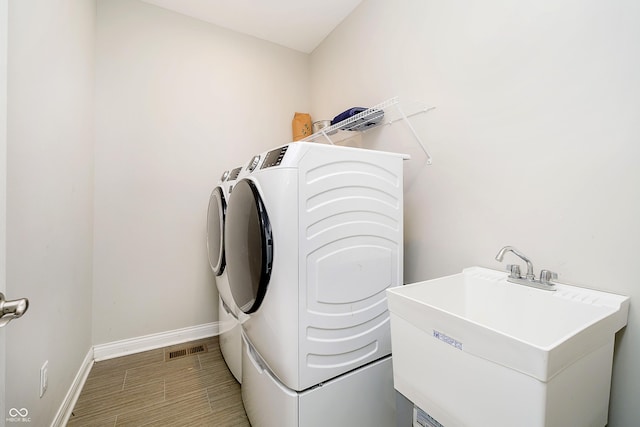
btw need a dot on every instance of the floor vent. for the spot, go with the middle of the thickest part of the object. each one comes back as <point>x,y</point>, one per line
<point>176,354</point>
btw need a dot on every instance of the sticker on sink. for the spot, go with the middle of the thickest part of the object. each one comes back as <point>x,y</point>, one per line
<point>447,339</point>
<point>423,419</point>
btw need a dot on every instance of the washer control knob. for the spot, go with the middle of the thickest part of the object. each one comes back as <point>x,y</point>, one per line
<point>253,163</point>
<point>224,176</point>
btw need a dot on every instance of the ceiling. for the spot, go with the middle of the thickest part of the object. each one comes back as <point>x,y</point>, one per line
<point>296,24</point>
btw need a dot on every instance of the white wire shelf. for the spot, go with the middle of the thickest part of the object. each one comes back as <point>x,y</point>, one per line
<point>370,118</point>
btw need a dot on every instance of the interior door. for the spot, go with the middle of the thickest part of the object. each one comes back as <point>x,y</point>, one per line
<point>4,4</point>
<point>6,307</point>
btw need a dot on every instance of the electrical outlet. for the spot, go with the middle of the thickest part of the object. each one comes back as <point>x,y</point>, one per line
<point>44,378</point>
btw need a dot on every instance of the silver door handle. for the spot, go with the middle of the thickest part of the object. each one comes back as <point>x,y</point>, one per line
<point>10,310</point>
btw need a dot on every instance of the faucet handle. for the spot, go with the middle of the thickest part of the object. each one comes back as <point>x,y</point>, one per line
<point>514,271</point>
<point>546,276</point>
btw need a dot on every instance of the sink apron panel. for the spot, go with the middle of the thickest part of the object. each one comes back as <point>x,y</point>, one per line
<point>460,389</point>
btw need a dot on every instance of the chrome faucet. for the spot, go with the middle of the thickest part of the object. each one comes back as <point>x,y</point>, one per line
<point>500,256</point>
<point>530,279</point>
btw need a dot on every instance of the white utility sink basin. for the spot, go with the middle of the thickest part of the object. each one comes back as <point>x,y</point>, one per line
<point>473,349</point>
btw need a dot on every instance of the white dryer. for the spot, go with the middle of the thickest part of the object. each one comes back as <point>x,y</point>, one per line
<point>314,236</point>
<point>230,337</point>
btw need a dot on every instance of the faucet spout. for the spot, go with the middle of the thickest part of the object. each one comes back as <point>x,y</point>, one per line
<point>503,251</point>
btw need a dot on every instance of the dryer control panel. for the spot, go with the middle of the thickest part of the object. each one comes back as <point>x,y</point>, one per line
<point>233,175</point>
<point>274,157</point>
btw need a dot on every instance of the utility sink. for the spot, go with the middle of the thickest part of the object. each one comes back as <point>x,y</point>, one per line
<point>473,349</point>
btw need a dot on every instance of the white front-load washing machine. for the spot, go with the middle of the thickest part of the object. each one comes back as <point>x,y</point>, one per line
<point>314,236</point>
<point>228,311</point>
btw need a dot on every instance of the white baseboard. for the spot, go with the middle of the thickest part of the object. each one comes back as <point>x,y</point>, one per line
<point>64,413</point>
<point>122,348</point>
<point>153,341</point>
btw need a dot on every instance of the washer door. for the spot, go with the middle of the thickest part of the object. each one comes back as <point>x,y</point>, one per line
<point>215,230</point>
<point>249,246</point>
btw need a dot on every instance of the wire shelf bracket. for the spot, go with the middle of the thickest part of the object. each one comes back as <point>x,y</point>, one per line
<point>369,119</point>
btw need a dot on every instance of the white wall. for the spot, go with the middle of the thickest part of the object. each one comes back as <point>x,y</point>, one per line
<point>534,139</point>
<point>50,111</point>
<point>178,102</point>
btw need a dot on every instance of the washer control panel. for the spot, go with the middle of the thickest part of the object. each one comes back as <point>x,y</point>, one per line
<point>274,157</point>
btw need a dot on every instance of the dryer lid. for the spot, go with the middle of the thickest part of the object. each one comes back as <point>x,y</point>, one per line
<point>249,246</point>
<point>216,214</point>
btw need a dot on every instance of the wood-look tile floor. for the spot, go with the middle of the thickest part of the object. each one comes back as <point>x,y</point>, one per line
<point>150,389</point>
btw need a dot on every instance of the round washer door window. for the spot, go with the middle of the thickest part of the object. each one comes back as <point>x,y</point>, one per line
<point>215,230</point>
<point>249,246</point>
